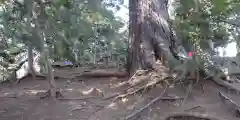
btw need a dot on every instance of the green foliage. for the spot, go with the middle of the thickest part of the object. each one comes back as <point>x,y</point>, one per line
<point>75,30</point>
<point>198,21</point>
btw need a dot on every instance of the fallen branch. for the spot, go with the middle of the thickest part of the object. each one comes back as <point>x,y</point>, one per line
<point>8,97</point>
<point>84,98</point>
<point>94,73</point>
<point>145,107</point>
<point>236,106</point>
<point>103,73</point>
<point>111,96</point>
<point>33,87</point>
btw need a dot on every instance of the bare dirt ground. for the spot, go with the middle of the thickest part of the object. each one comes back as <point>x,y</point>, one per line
<point>22,102</point>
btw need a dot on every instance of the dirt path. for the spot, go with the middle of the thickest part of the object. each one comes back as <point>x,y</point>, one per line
<point>22,103</point>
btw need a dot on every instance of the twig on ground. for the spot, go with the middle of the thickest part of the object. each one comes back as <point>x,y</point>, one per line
<point>145,107</point>
<point>32,87</point>
<point>111,96</point>
<point>130,93</point>
<point>236,106</point>
<point>79,108</point>
<point>228,99</point>
<point>195,107</point>
<point>171,98</point>
<point>202,88</point>
<point>93,113</point>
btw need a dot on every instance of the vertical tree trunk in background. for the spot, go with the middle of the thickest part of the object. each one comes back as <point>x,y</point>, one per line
<point>50,74</point>
<point>31,69</point>
<point>41,28</point>
<point>150,36</point>
<point>51,80</point>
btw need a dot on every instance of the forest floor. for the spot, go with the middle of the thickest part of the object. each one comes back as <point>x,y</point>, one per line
<point>21,101</point>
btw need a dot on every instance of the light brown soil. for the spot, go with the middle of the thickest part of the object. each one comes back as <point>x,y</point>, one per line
<point>22,102</point>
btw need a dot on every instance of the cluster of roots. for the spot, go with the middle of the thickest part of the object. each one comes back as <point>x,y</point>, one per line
<point>142,81</point>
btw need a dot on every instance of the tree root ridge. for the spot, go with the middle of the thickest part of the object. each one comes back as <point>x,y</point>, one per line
<point>48,94</point>
<point>190,116</point>
<point>225,84</point>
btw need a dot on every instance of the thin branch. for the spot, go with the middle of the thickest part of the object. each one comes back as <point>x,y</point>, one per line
<point>145,107</point>
<point>228,22</point>
<point>236,106</point>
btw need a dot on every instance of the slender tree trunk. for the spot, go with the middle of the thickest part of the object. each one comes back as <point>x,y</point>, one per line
<point>40,23</point>
<point>31,69</point>
<point>50,74</point>
<point>150,36</point>
<point>52,84</point>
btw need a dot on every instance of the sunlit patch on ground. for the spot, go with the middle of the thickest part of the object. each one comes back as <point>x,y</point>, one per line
<point>113,106</point>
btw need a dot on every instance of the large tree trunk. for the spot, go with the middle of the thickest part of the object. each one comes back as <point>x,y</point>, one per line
<point>150,35</point>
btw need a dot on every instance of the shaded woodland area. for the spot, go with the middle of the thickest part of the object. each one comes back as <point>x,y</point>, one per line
<point>76,60</point>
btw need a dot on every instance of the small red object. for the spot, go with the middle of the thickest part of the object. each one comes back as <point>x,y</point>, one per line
<point>190,54</point>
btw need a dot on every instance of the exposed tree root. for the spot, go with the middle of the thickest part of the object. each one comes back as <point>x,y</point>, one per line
<point>135,91</point>
<point>48,94</point>
<point>189,91</point>
<point>235,106</point>
<point>33,87</point>
<point>171,98</point>
<point>190,116</point>
<point>12,96</point>
<point>135,114</point>
<point>141,81</point>
<point>226,84</point>
<point>29,74</point>
<point>132,82</point>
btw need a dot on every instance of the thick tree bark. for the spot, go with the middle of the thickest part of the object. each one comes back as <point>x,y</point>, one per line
<point>150,34</point>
